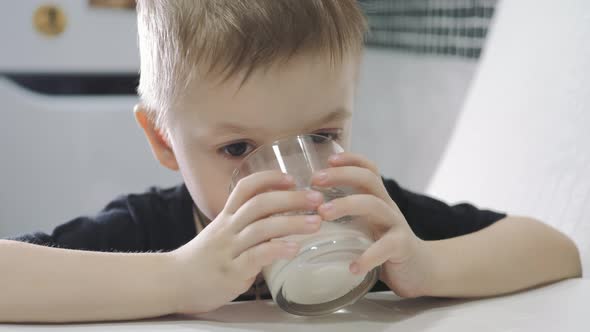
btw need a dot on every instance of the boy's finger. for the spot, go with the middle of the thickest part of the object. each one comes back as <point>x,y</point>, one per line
<point>275,202</point>
<point>251,261</point>
<point>275,227</point>
<point>359,178</point>
<point>256,183</point>
<point>353,159</point>
<point>368,207</point>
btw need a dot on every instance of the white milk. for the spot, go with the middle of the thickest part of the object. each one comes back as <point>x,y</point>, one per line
<point>325,276</point>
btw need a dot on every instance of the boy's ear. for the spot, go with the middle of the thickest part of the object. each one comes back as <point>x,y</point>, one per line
<point>160,147</point>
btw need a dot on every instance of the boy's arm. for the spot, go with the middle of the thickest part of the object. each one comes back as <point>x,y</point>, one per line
<point>511,254</point>
<point>44,284</point>
<point>484,253</point>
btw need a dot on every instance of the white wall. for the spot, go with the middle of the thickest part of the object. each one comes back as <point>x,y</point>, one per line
<point>62,157</point>
<point>406,110</point>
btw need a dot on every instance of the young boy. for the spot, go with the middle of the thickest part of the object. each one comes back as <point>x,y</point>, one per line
<point>218,79</point>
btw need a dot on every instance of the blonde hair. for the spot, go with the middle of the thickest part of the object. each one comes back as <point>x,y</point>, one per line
<point>182,38</point>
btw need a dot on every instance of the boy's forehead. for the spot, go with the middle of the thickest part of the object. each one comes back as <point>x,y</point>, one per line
<point>294,94</point>
<point>224,127</point>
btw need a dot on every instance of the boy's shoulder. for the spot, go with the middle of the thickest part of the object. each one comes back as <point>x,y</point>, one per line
<point>433,219</point>
<point>159,219</point>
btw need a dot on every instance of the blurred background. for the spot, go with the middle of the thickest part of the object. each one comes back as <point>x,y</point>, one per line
<point>68,76</point>
<point>478,100</point>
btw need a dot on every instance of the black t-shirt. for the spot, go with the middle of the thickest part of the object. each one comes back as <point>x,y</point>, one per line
<point>162,220</point>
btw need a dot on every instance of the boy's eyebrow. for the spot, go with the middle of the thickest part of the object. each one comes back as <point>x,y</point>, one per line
<point>336,115</point>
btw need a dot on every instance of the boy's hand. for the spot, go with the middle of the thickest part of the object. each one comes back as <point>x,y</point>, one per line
<point>404,256</point>
<point>223,261</point>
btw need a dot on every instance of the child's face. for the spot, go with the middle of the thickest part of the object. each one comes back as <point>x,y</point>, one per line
<point>216,125</point>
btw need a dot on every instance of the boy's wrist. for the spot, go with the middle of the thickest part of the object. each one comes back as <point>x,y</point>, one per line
<point>444,268</point>
<point>429,267</point>
<point>165,291</point>
<point>418,276</point>
<point>434,278</point>
<point>179,276</point>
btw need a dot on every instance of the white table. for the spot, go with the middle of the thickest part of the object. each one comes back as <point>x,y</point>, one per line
<point>564,306</point>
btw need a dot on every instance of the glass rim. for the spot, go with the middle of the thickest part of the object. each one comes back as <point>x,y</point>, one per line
<point>236,171</point>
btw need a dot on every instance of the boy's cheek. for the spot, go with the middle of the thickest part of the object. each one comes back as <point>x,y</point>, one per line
<point>207,193</point>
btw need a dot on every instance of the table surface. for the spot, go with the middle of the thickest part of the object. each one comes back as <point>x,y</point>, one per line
<point>563,306</point>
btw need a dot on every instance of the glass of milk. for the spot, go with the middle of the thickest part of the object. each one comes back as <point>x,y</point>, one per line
<point>317,281</point>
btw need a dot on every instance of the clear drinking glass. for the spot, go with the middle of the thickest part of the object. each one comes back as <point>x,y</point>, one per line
<point>317,281</point>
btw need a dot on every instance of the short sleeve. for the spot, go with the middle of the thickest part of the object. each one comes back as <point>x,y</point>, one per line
<point>431,219</point>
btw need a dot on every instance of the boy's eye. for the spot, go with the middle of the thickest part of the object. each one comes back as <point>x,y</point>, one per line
<point>325,136</point>
<point>241,149</point>
<point>236,150</point>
